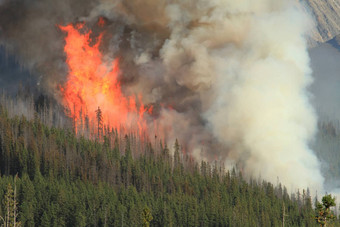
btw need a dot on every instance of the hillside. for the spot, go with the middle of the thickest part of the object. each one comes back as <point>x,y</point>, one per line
<point>64,180</point>
<point>326,14</point>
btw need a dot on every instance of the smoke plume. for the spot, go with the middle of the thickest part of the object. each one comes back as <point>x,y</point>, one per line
<point>227,78</point>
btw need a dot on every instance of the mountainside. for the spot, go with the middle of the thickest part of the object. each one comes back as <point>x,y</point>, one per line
<point>326,14</point>
<point>54,178</point>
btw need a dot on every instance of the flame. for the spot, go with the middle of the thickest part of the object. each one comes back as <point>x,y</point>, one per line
<point>92,83</point>
<point>101,22</point>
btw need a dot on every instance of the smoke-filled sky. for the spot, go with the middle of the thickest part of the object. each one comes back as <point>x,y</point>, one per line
<point>227,78</point>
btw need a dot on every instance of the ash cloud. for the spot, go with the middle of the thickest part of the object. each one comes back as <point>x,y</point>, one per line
<point>229,79</point>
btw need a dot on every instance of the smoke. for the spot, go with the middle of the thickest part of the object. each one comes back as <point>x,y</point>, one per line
<point>262,110</point>
<point>228,79</point>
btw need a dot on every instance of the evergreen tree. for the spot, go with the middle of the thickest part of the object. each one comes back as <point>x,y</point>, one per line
<point>99,117</point>
<point>323,212</point>
<point>11,206</point>
<point>147,217</point>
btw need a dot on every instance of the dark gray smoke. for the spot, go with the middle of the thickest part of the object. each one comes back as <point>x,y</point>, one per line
<point>28,29</point>
<point>228,78</point>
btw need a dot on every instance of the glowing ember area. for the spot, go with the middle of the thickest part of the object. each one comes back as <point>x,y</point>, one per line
<point>92,83</point>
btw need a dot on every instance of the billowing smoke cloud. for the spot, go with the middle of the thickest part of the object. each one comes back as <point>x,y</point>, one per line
<point>227,78</point>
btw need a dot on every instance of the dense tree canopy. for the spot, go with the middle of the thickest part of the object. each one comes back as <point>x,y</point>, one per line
<point>122,180</point>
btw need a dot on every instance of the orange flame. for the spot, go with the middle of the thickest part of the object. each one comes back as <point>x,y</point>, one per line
<point>101,22</point>
<point>93,82</point>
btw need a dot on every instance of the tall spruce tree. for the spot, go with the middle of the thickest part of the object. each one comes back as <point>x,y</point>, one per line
<point>323,211</point>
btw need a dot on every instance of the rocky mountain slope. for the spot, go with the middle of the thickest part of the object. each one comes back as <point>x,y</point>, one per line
<point>326,14</point>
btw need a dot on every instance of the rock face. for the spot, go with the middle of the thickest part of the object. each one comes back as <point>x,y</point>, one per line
<point>326,15</point>
<point>335,42</point>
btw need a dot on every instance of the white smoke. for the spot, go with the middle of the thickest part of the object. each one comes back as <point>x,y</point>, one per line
<point>250,59</point>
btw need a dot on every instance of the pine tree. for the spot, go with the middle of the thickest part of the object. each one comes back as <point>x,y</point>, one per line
<point>147,217</point>
<point>11,204</point>
<point>99,117</point>
<point>323,212</point>
<point>176,154</point>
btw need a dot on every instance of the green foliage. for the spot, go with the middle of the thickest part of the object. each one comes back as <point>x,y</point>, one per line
<point>11,209</point>
<point>119,180</point>
<point>324,214</point>
<point>147,217</point>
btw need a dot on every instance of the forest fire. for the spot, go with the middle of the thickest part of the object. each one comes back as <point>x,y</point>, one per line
<point>221,77</point>
<point>92,92</point>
